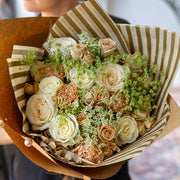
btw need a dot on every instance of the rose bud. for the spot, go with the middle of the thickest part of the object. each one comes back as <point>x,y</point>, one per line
<point>119,105</point>
<point>89,97</point>
<point>81,118</point>
<point>31,88</point>
<point>87,57</point>
<point>141,127</point>
<point>78,50</point>
<point>99,96</point>
<point>107,46</point>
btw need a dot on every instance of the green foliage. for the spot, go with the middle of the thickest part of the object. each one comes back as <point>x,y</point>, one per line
<point>75,109</point>
<point>140,87</point>
<point>29,58</point>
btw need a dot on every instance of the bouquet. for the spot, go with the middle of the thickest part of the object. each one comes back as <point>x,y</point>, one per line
<point>86,101</point>
<point>137,77</point>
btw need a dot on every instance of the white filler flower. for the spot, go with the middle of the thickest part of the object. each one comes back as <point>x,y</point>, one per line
<point>112,77</point>
<point>49,85</point>
<point>83,80</point>
<point>127,130</point>
<point>64,129</point>
<point>40,110</point>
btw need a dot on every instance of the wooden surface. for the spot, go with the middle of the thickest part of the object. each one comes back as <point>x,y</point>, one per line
<point>14,31</point>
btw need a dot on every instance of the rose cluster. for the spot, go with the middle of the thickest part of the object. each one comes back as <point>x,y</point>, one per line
<point>78,96</point>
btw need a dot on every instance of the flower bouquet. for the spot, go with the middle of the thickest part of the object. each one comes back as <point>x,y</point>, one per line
<point>86,100</point>
<point>97,97</point>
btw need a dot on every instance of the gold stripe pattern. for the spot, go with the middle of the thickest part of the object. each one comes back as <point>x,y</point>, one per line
<point>130,39</point>
<point>148,36</point>
<point>101,25</point>
<point>139,38</point>
<point>20,51</point>
<point>19,73</point>
<point>23,52</point>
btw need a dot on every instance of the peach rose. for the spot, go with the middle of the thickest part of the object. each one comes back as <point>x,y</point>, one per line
<point>107,132</point>
<point>87,57</point>
<point>78,50</point>
<point>107,46</point>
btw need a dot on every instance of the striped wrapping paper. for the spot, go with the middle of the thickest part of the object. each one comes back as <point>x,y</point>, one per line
<point>162,46</point>
<point>19,74</point>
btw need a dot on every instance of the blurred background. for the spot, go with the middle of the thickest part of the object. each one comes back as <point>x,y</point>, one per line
<point>160,161</point>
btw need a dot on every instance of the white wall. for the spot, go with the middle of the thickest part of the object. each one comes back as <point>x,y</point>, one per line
<point>20,11</point>
<point>144,12</point>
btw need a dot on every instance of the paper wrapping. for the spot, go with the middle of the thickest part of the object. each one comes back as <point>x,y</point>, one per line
<point>162,46</point>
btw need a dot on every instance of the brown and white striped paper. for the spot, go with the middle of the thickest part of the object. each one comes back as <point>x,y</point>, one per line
<point>19,74</point>
<point>162,46</point>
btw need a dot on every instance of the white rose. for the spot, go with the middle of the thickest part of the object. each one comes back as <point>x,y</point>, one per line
<point>64,129</point>
<point>40,110</point>
<point>81,81</point>
<point>59,43</point>
<point>127,130</point>
<point>49,85</point>
<point>112,77</point>
<point>107,46</point>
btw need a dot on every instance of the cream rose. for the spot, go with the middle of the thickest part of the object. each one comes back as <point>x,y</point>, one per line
<point>40,110</point>
<point>78,50</point>
<point>127,131</point>
<point>107,46</point>
<point>81,81</point>
<point>112,77</point>
<point>64,129</point>
<point>49,85</point>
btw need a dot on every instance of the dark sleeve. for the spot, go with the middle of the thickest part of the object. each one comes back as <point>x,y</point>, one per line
<point>119,20</point>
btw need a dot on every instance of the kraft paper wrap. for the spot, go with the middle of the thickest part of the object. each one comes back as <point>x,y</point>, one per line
<point>161,45</point>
